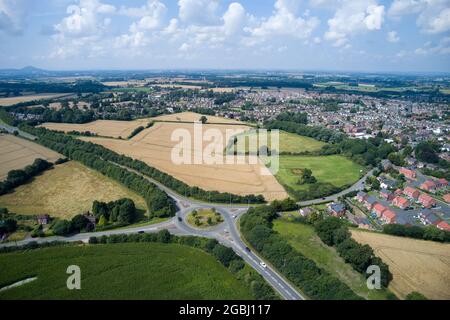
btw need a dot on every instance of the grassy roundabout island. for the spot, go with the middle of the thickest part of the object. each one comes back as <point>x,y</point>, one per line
<point>204,218</point>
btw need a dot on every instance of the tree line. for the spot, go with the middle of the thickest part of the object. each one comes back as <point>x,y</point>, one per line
<point>333,232</point>
<point>94,154</point>
<point>423,233</point>
<point>16,178</point>
<point>316,283</point>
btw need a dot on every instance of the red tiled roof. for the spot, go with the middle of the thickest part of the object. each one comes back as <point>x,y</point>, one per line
<point>379,207</point>
<point>443,225</point>
<point>446,197</point>
<point>389,214</point>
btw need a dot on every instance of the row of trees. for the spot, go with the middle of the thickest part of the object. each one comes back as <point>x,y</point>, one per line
<point>256,226</point>
<point>17,177</point>
<point>102,160</point>
<point>78,223</point>
<point>333,232</point>
<point>416,232</point>
<point>225,255</point>
<point>89,153</point>
<point>364,152</point>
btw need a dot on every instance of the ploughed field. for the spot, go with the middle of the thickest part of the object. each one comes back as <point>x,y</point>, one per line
<point>65,191</point>
<point>17,153</point>
<point>416,265</point>
<point>120,271</point>
<point>156,146</point>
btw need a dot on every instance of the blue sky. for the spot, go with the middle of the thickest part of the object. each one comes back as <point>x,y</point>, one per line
<point>353,35</point>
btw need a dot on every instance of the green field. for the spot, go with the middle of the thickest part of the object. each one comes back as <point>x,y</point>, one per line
<point>120,271</point>
<point>334,169</point>
<point>304,239</point>
<point>288,142</point>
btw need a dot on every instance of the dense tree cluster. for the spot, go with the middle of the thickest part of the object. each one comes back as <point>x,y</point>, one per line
<point>416,232</point>
<point>256,226</point>
<point>297,117</point>
<point>17,177</point>
<point>122,211</point>
<point>225,255</point>
<point>333,232</point>
<point>136,131</point>
<point>427,151</point>
<point>7,223</point>
<point>101,159</point>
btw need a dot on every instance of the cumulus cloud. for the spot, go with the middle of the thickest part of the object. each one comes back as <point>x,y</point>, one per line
<point>285,22</point>
<point>393,37</point>
<point>199,12</point>
<point>12,15</point>
<point>442,48</point>
<point>433,15</point>
<point>354,17</point>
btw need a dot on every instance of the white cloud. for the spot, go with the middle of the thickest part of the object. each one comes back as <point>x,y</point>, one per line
<point>442,48</point>
<point>199,12</point>
<point>393,37</point>
<point>12,15</point>
<point>152,17</point>
<point>285,22</point>
<point>234,19</point>
<point>433,15</point>
<point>354,17</point>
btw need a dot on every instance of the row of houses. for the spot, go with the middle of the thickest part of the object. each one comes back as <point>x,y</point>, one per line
<point>434,185</point>
<point>372,205</point>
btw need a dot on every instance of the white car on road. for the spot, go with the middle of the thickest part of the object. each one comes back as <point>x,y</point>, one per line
<point>262,264</point>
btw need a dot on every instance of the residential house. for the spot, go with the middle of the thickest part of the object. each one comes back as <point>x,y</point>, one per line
<point>43,219</point>
<point>337,209</point>
<point>411,193</point>
<point>386,164</point>
<point>400,202</point>
<point>386,194</point>
<point>305,211</point>
<point>361,196</point>
<point>388,216</point>
<point>443,226</point>
<point>446,197</point>
<point>429,186</point>
<point>363,223</point>
<point>426,216</point>
<point>387,183</point>
<point>378,208</point>
<point>370,202</point>
<point>408,173</point>
<point>441,183</point>
<point>426,200</point>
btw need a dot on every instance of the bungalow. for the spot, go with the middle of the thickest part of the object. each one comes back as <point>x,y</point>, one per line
<point>386,194</point>
<point>337,209</point>
<point>386,164</point>
<point>429,186</point>
<point>443,226</point>
<point>363,223</point>
<point>388,216</point>
<point>426,200</point>
<point>361,196</point>
<point>408,173</point>
<point>370,202</point>
<point>446,197</point>
<point>379,209</point>
<point>387,183</point>
<point>411,193</point>
<point>43,219</point>
<point>400,202</point>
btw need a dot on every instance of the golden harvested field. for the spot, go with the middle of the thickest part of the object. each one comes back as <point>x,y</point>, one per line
<point>192,117</point>
<point>107,128</point>
<point>65,191</point>
<point>416,265</point>
<point>13,100</point>
<point>17,153</point>
<point>116,129</point>
<point>154,146</point>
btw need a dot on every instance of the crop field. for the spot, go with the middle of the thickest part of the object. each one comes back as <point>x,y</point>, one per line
<point>17,153</point>
<point>192,117</point>
<point>155,147</point>
<point>305,240</point>
<point>107,128</point>
<point>65,191</point>
<point>120,271</point>
<point>14,100</point>
<point>288,142</point>
<point>416,265</point>
<point>334,169</point>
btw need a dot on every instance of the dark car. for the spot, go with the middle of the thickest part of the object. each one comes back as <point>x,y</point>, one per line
<point>248,249</point>
<point>179,219</point>
<point>140,232</point>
